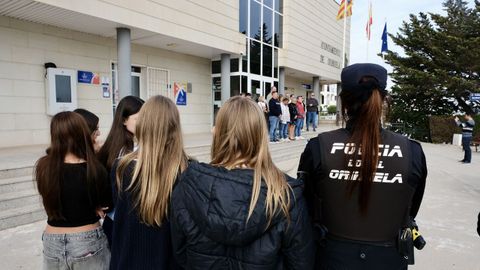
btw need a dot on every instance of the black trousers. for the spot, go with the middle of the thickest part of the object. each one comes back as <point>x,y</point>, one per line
<point>344,255</point>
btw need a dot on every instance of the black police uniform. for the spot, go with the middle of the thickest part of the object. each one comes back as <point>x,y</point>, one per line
<point>355,241</point>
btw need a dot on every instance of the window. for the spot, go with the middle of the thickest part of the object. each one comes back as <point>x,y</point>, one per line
<point>234,65</point>
<point>243,25</point>
<point>234,86</point>
<point>275,63</point>
<point>267,25</point>
<point>216,67</point>
<point>255,20</point>
<point>267,61</point>
<point>268,3</point>
<point>279,6</point>
<point>255,53</point>
<point>278,30</point>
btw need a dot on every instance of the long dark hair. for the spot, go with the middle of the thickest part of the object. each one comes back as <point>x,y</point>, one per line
<point>90,118</point>
<point>69,134</point>
<point>364,118</point>
<point>119,137</point>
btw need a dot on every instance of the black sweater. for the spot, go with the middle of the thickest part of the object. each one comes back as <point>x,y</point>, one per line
<point>274,107</point>
<point>134,244</point>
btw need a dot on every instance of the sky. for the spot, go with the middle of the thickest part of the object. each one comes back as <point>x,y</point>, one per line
<point>394,12</point>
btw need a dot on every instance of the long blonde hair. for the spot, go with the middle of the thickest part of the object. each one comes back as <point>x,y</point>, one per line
<point>160,158</point>
<point>241,139</point>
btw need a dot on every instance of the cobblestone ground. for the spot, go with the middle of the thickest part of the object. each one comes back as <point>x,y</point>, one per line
<point>447,218</point>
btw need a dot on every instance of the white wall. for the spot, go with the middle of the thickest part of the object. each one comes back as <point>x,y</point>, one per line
<point>25,47</point>
<point>306,25</point>
<point>213,23</point>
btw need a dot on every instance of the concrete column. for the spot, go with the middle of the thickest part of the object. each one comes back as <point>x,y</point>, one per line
<point>339,120</point>
<point>225,77</point>
<point>316,87</point>
<point>281,81</point>
<point>124,66</point>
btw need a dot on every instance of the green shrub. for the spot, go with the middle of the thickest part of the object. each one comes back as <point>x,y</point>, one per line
<point>332,109</point>
<point>442,128</point>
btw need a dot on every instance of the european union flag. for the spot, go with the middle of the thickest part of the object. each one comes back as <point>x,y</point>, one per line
<point>385,40</point>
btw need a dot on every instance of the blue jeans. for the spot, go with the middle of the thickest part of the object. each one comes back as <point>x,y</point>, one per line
<point>283,131</point>
<point>466,147</point>
<point>298,127</point>
<point>312,117</point>
<point>273,120</point>
<point>86,250</point>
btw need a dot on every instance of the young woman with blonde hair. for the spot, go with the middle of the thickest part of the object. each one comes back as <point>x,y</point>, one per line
<point>144,182</point>
<point>240,211</point>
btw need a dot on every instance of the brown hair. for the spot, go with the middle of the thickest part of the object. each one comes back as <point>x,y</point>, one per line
<point>365,119</point>
<point>160,158</point>
<point>69,134</point>
<point>119,137</point>
<point>243,141</point>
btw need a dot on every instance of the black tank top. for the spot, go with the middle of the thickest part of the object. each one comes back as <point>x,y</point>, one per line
<point>390,193</point>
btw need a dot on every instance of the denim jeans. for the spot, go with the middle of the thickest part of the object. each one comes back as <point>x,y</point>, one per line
<point>79,251</point>
<point>312,117</point>
<point>466,147</point>
<point>273,120</point>
<point>283,131</point>
<point>298,127</point>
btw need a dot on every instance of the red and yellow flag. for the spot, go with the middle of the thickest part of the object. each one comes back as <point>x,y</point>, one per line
<point>341,12</point>
<point>368,29</point>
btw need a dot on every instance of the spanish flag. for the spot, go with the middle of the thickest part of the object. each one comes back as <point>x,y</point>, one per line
<point>341,11</point>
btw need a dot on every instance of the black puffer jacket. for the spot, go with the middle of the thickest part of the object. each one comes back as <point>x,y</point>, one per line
<point>210,230</point>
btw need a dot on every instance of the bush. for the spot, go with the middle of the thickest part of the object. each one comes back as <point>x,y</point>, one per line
<point>442,128</point>
<point>332,109</point>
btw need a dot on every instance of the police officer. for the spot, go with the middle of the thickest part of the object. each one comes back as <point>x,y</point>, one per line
<point>362,183</point>
<point>467,133</point>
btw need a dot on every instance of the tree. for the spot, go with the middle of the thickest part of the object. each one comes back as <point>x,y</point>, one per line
<point>440,67</point>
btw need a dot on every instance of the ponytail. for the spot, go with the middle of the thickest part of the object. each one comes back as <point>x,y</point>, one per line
<point>365,119</point>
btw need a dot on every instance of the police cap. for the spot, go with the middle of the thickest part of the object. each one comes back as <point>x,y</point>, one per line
<point>352,76</point>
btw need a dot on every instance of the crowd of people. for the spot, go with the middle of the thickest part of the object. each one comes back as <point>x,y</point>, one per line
<point>164,210</point>
<point>286,115</point>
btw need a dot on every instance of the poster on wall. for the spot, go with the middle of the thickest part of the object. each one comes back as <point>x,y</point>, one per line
<point>88,77</point>
<point>180,93</point>
<point>105,87</point>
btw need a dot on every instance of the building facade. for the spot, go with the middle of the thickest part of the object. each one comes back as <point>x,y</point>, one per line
<point>211,50</point>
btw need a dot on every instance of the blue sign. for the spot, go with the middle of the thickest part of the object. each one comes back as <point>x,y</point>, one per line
<point>475,97</point>
<point>182,97</point>
<point>88,77</point>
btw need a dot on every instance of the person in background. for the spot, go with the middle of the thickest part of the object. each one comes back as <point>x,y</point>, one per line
<point>284,119</point>
<point>240,211</point>
<point>263,107</point>
<point>75,192</point>
<point>300,118</point>
<point>144,180</point>
<point>248,95</point>
<point>467,134</point>
<point>92,122</point>
<point>275,111</point>
<point>292,108</point>
<point>119,142</point>
<point>351,172</point>
<point>312,112</point>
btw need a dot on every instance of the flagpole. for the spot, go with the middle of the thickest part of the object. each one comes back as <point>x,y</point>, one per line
<point>344,32</point>
<point>369,28</point>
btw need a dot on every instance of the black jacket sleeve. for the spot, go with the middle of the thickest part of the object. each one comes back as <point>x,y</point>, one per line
<point>298,245</point>
<point>178,213</point>
<point>308,170</point>
<point>419,172</point>
<point>105,190</point>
